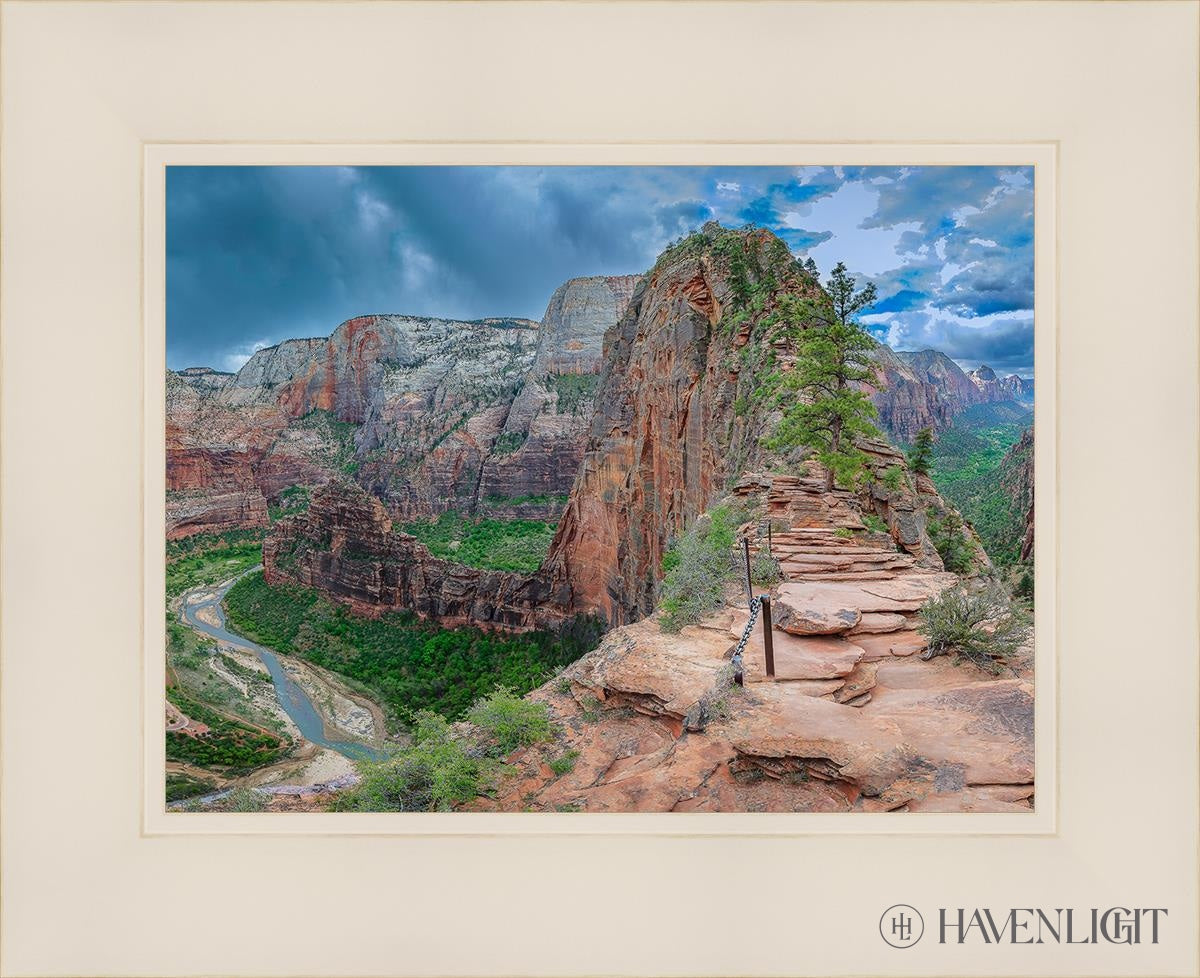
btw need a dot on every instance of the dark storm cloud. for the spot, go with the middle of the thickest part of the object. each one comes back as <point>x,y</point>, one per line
<point>259,254</point>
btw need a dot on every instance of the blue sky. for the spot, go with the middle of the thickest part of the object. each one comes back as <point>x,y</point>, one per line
<point>256,255</point>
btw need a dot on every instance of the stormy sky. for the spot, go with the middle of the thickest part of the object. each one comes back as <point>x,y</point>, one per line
<point>256,255</point>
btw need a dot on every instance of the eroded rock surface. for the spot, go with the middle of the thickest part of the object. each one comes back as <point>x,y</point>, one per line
<point>426,414</point>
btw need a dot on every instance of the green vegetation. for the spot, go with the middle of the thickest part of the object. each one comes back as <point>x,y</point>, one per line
<point>953,545</point>
<point>242,800</point>
<point>875,524</point>
<point>921,455</point>
<point>983,626</point>
<point>228,744</point>
<point>555,499</point>
<point>893,478</point>
<point>509,545</point>
<point>697,568</point>
<point>432,775</point>
<point>1024,586</point>
<point>509,442</point>
<point>210,558</point>
<point>824,408</point>
<point>293,500</point>
<point>511,721</point>
<point>238,739</point>
<point>564,764</point>
<point>576,392</point>
<point>181,786</point>
<point>764,569</point>
<point>337,435</point>
<point>970,465</point>
<point>410,665</point>
<point>445,766</point>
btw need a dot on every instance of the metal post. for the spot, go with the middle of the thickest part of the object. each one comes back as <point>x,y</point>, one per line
<point>770,550</point>
<point>768,640</point>
<point>746,552</point>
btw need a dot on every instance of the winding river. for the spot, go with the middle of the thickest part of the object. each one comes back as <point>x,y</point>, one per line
<point>288,692</point>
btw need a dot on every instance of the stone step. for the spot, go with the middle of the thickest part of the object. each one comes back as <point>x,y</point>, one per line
<point>781,551</point>
<point>826,560</point>
<point>873,575</point>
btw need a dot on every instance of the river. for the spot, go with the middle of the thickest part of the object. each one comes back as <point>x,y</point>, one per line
<point>288,692</point>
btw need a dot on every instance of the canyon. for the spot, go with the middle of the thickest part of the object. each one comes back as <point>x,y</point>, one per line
<point>624,416</point>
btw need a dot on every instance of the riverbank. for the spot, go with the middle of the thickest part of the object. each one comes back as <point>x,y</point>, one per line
<point>329,725</point>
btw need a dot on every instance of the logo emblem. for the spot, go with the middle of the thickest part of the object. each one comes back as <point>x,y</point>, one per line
<point>901,925</point>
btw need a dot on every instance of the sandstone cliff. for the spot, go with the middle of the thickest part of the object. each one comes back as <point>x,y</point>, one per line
<point>678,419</point>
<point>675,421</point>
<point>344,545</point>
<point>427,414</point>
<point>541,445</point>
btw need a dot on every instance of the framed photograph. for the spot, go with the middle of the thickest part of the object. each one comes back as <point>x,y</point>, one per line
<point>751,451</point>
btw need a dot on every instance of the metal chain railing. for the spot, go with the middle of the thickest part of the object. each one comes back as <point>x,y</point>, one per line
<point>757,603</point>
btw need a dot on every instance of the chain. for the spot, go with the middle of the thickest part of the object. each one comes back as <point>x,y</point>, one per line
<point>755,606</point>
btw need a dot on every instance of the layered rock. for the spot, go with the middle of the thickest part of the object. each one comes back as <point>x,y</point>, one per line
<point>344,546</point>
<point>849,721</point>
<point>542,442</point>
<point>412,405</point>
<point>909,398</point>
<point>674,421</point>
<point>428,414</point>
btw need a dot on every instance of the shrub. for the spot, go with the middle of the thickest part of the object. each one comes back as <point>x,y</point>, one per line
<point>432,775</point>
<point>764,569</point>
<point>697,568</point>
<point>981,625</point>
<point>511,721</point>
<point>893,478</point>
<point>875,523</point>
<point>844,532</point>
<point>243,800</point>
<point>564,764</point>
<point>509,442</point>
<point>576,392</point>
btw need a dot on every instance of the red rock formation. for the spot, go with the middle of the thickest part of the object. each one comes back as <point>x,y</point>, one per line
<point>430,414</point>
<point>345,547</point>
<point>666,435</point>
<point>412,405</point>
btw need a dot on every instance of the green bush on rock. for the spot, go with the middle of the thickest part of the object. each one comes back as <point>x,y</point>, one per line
<point>982,625</point>
<point>511,721</point>
<point>697,568</point>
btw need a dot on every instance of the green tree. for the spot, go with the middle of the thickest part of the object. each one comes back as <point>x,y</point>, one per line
<point>953,546</point>
<point>834,357</point>
<point>921,455</point>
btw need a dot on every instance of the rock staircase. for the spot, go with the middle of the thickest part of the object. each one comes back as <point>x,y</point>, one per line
<point>820,554</point>
<point>848,598</point>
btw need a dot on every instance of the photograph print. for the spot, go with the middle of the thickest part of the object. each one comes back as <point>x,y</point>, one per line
<point>599,489</point>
